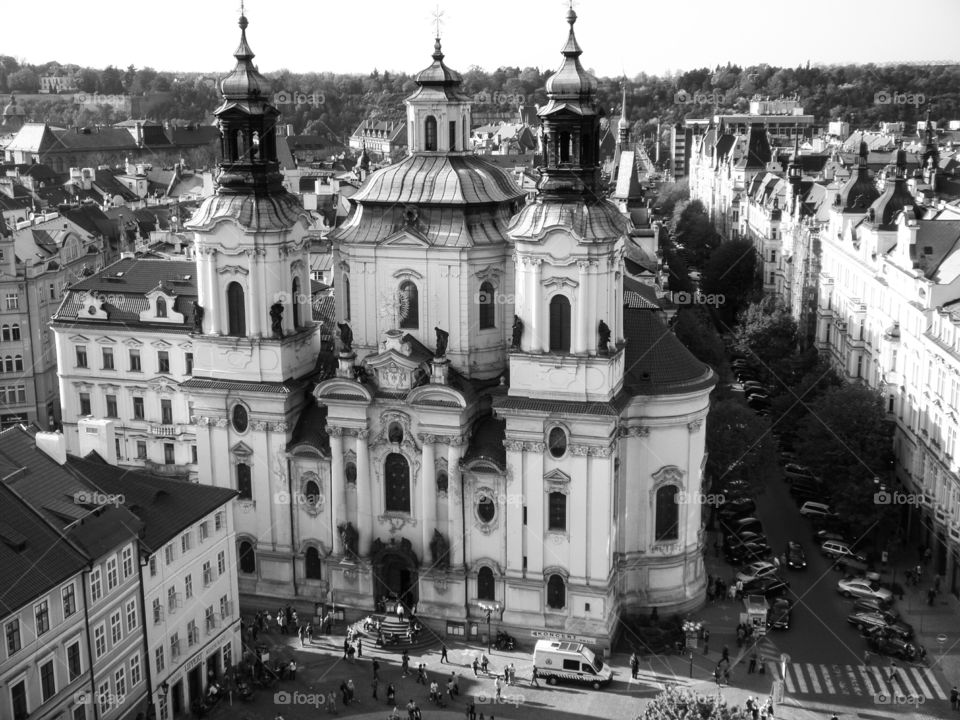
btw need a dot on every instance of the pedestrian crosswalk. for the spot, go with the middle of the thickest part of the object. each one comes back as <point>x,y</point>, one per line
<point>865,680</point>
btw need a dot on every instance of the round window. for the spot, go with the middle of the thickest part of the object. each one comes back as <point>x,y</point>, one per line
<point>395,434</point>
<point>486,509</point>
<point>240,419</point>
<point>558,442</point>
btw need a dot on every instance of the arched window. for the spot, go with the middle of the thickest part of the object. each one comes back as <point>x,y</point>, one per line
<point>296,302</point>
<point>239,418</point>
<point>409,305</point>
<point>559,324</point>
<point>312,564</point>
<point>565,147</point>
<point>18,363</point>
<point>161,307</point>
<point>557,512</point>
<point>244,481</point>
<point>556,592</point>
<point>397,474</point>
<point>486,585</point>
<point>350,471</point>
<point>236,310</point>
<point>487,310</point>
<point>15,329</point>
<point>248,558</point>
<point>8,364</point>
<point>453,135</point>
<point>430,133</point>
<point>346,297</point>
<point>557,442</point>
<point>241,145</point>
<point>311,493</point>
<point>5,336</point>
<point>668,514</point>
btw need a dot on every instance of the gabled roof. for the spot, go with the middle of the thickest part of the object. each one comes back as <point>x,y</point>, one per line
<point>937,240</point>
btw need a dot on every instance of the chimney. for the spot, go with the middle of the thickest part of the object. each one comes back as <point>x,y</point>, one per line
<point>53,444</point>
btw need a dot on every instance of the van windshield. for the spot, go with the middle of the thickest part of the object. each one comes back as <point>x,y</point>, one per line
<point>593,659</point>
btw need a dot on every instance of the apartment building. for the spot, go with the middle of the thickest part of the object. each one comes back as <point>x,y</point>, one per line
<point>124,347</point>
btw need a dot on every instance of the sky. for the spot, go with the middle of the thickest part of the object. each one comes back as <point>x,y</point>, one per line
<point>355,36</point>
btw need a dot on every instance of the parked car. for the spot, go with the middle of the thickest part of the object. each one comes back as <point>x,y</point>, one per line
<point>736,508</point>
<point>743,375</point>
<point>822,536</point>
<point>748,553</point>
<point>793,471</point>
<point>755,384</point>
<point>796,557</point>
<point>758,401</point>
<point>736,489</point>
<point>815,509</point>
<point>871,620</point>
<point>780,614</point>
<point>757,570</point>
<point>874,605</point>
<point>787,457</point>
<point>746,536</point>
<point>894,646</point>
<point>770,587</point>
<point>757,396</point>
<point>829,523</point>
<point>747,524</point>
<point>863,588</point>
<point>837,550</point>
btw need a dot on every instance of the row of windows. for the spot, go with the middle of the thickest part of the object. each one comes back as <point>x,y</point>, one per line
<point>10,333</point>
<point>237,308</point>
<point>175,599</point>
<point>186,544</point>
<point>134,364</point>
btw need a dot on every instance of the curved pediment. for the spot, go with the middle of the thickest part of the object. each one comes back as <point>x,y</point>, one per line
<point>433,394</point>
<point>342,390</point>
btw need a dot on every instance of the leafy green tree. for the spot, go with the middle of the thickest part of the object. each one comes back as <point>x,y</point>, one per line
<point>767,332</point>
<point>673,704</point>
<point>670,194</point>
<point>111,81</point>
<point>694,232</point>
<point>846,440</point>
<point>731,272</point>
<point>740,445</point>
<point>25,80</point>
<point>87,80</point>
<point>791,405</point>
<point>695,330</point>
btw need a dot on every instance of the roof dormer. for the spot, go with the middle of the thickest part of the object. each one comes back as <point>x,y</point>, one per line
<point>162,300</point>
<point>91,306</point>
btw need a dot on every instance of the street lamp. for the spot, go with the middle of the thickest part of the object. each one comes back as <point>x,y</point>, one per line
<point>489,608</point>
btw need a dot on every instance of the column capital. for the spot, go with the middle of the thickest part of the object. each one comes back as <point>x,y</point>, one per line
<point>427,439</point>
<point>334,431</point>
<point>363,434</point>
<point>513,445</point>
<point>694,425</point>
<point>583,265</point>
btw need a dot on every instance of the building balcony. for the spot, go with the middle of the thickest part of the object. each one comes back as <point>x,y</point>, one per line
<point>175,471</point>
<point>166,430</point>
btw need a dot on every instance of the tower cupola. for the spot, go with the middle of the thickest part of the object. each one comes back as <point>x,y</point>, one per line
<point>438,112</point>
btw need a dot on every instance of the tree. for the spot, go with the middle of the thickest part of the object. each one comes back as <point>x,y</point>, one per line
<point>688,705</point>
<point>846,440</point>
<point>25,80</point>
<point>695,330</point>
<point>730,273</point>
<point>670,194</point>
<point>111,81</point>
<point>739,445</point>
<point>791,407</point>
<point>768,332</point>
<point>87,80</point>
<point>694,232</point>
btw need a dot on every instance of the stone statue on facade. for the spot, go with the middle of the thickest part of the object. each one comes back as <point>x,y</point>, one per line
<point>276,319</point>
<point>517,332</point>
<point>349,538</point>
<point>440,551</point>
<point>604,332</point>
<point>346,337</point>
<point>197,317</point>
<point>442,338</point>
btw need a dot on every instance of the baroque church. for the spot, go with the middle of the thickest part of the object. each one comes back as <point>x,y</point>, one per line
<point>500,427</point>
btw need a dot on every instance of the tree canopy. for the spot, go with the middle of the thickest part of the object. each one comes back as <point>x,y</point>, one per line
<point>740,445</point>
<point>730,272</point>
<point>768,332</point>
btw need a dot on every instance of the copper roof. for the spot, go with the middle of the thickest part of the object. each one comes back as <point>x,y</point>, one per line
<point>598,222</point>
<point>245,80</point>
<point>440,180</point>
<point>657,363</point>
<point>571,81</point>
<point>278,211</point>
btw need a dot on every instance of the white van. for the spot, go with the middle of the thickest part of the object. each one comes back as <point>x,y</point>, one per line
<point>573,662</point>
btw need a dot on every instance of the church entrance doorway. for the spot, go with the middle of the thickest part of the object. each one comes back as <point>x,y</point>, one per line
<point>395,569</point>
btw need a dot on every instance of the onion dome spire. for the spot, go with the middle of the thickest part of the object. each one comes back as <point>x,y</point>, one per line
<point>896,196</point>
<point>859,192</point>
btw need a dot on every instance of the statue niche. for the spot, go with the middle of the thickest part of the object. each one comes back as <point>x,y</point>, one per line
<point>440,551</point>
<point>349,537</point>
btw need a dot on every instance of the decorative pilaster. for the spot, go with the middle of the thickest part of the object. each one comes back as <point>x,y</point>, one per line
<point>338,510</point>
<point>455,501</point>
<point>428,492</point>
<point>536,300</point>
<point>364,509</point>
<point>581,340</point>
<point>255,296</point>
<point>514,509</point>
<point>214,311</point>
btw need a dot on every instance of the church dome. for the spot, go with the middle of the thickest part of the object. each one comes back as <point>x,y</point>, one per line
<point>895,198</point>
<point>860,191</point>
<point>571,81</point>
<point>599,222</point>
<point>438,73</point>
<point>440,180</point>
<point>245,82</point>
<point>257,213</point>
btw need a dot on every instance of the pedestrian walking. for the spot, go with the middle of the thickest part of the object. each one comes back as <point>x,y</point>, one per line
<point>344,694</point>
<point>293,669</point>
<point>725,654</point>
<point>512,677</point>
<point>450,690</point>
<point>391,694</point>
<point>706,642</point>
<point>456,684</point>
<point>476,665</point>
<point>373,687</point>
<point>359,647</point>
<point>497,684</point>
<point>471,711</point>
<point>484,664</point>
<point>954,698</point>
<point>376,669</point>
<point>422,674</point>
<point>752,668</point>
<point>405,663</point>
<point>346,648</point>
<point>351,691</point>
<point>443,653</point>
<point>634,665</point>
<point>332,702</point>
<point>535,675</point>
<point>931,596</point>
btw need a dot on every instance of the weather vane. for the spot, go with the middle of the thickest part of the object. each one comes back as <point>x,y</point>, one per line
<point>437,20</point>
<point>241,8</point>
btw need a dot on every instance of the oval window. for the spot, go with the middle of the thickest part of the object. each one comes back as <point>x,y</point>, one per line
<point>311,492</point>
<point>558,442</point>
<point>486,509</point>
<point>395,435</point>
<point>240,419</point>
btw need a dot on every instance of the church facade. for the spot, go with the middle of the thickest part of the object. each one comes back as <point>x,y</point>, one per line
<point>501,428</point>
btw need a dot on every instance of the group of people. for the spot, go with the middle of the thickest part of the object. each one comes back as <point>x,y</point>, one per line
<point>758,711</point>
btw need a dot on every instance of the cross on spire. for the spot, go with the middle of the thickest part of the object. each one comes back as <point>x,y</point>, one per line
<point>242,8</point>
<point>437,20</point>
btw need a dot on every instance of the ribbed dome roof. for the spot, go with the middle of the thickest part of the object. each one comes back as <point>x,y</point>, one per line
<point>438,73</point>
<point>571,81</point>
<point>859,192</point>
<point>440,180</point>
<point>245,82</point>
<point>599,222</point>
